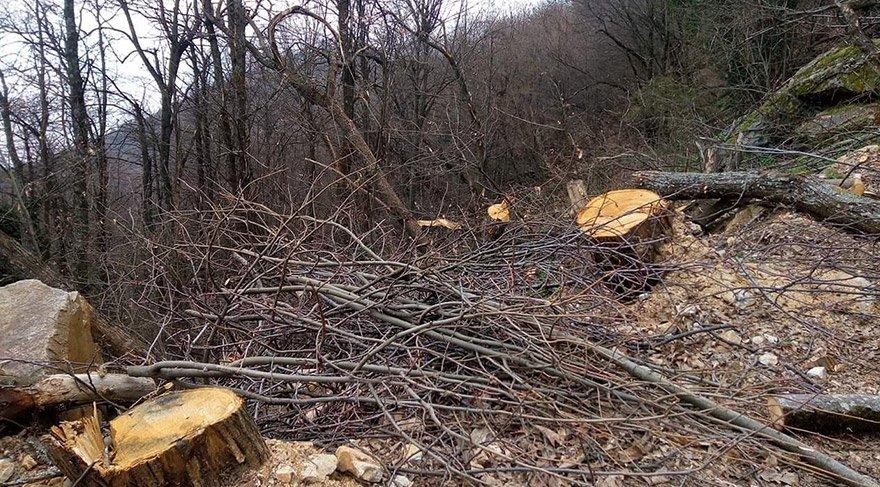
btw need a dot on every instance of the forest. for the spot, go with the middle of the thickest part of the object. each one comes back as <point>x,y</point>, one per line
<point>439,242</point>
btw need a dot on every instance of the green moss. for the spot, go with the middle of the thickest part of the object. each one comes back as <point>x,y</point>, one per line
<point>844,69</point>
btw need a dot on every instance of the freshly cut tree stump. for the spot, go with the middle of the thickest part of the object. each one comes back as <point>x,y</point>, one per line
<point>826,413</point>
<point>194,437</point>
<point>627,226</point>
<point>622,213</point>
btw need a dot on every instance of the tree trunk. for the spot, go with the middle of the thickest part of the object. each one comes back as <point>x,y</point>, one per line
<point>825,413</point>
<point>66,390</point>
<point>79,120</point>
<point>806,194</point>
<point>577,195</point>
<point>238,88</point>
<point>193,437</point>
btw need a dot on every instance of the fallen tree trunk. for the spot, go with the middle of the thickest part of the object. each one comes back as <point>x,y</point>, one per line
<point>806,194</point>
<point>65,390</point>
<point>826,412</point>
<point>192,437</point>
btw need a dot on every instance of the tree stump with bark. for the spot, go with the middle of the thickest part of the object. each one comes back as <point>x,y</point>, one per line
<point>627,225</point>
<point>195,437</point>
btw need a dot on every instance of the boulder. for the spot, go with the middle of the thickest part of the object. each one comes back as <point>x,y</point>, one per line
<point>43,326</point>
<point>839,76</point>
<point>837,122</point>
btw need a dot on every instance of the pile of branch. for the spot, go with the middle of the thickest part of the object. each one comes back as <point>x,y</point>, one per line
<point>341,343</point>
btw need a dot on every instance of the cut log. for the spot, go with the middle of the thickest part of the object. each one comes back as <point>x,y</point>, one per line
<point>807,194</point>
<point>66,390</point>
<point>826,413</point>
<point>195,437</point>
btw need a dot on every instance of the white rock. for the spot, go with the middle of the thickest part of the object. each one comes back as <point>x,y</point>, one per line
<point>317,468</point>
<point>758,340</point>
<point>771,338</point>
<point>768,359</point>
<point>818,372</point>
<point>412,453</point>
<point>401,481</point>
<point>361,465</point>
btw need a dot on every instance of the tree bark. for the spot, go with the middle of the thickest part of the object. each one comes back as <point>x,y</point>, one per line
<point>806,194</point>
<point>79,119</point>
<point>66,390</point>
<point>238,88</point>
<point>826,413</point>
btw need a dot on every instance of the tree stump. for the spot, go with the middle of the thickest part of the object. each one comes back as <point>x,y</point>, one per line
<point>626,225</point>
<point>577,195</point>
<point>194,437</point>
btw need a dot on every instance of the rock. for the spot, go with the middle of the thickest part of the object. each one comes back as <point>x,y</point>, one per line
<point>284,474</point>
<point>768,359</point>
<point>818,373</point>
<point>866,161</point>
<point>411,453</point>
<point>44,325</point>
<point>317,468</point>
<point>731,336</point>
<point>839,75</point>
<point>836,121</point>
<point>401,481</point>
<point>742,219</point>
<point>359,464</point>
<point>848,291</point>
<point>758,340</point>
<point>7,468</point>
<point>28,462</point>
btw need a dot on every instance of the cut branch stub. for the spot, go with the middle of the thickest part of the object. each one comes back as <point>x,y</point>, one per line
<point>616,214</point>
<point>192,437</point>
<point>499,212</point>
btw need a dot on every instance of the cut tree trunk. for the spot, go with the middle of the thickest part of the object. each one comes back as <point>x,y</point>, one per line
<point>806,194</point>
<point>826,413</point>
<point>195,437</point>
<point>626,225</point>
<point>66,390</point>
